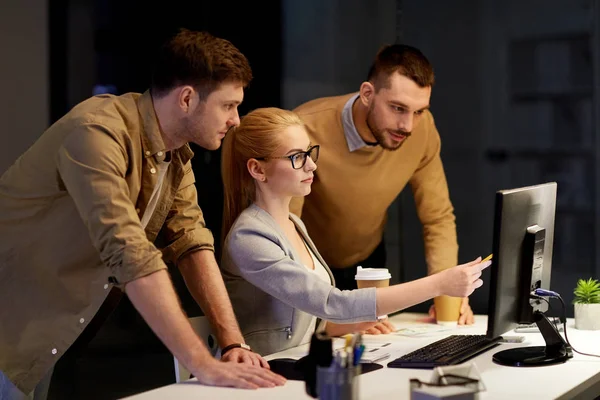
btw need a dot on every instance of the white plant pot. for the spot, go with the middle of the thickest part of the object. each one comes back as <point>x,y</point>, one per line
<point>587,316</point>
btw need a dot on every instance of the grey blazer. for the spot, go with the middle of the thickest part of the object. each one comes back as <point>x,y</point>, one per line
<point>273,294</point>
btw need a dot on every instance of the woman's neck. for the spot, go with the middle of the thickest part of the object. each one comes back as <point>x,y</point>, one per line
<point>277,207</point>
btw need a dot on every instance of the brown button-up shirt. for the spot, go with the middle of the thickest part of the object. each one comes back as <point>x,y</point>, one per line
<point>70,210</point>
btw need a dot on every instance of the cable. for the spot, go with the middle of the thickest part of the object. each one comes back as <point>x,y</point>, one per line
<point>547,293</point>
<point>538,293</point>
<point>564,321</point>
<point>550,309</point>
<point>553,321</point>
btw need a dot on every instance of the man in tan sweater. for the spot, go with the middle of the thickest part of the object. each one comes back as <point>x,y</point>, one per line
<point>374,143</point>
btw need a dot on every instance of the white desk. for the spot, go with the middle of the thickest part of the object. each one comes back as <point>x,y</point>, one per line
<point>577,378</point>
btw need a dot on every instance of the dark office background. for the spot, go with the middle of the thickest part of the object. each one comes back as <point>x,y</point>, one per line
<point>516,103</point>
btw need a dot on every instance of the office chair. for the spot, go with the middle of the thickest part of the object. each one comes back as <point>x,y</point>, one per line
<point>204,331</point>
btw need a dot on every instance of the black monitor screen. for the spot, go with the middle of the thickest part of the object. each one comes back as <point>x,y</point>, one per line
<point>523,236</point>
<point>513,271</point>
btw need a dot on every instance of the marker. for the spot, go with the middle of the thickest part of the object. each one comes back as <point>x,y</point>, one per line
<point>348,343</point>
<point>358,354</point>
<point>488,258</point>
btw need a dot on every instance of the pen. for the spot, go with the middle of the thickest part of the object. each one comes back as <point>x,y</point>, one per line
<point>358,354</point>
<point>343,359</point>
<point>487,258</point>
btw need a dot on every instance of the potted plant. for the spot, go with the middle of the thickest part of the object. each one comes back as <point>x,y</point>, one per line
<point>587,304</point>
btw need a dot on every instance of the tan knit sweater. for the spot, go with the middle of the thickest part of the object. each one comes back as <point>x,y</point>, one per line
<point>346,211</point>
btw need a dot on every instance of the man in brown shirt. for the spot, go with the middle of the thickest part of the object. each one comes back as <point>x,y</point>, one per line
<point>103,199</point>
<point>374,143</point>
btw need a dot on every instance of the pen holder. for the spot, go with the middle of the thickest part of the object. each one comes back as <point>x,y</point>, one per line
<point>335,383</point>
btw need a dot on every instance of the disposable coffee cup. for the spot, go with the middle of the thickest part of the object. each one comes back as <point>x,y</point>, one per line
<point>447,310</point>
<point>372,277</point>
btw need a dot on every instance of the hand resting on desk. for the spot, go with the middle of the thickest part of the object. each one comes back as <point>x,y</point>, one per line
<point>370,327</point>
<point>240,355</point>
<point>231,374</point>
<point>383,327</point>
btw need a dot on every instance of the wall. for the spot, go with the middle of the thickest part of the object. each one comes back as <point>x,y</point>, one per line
<point>328,46</point>
<point>23,76</point>
<point>449,35</point>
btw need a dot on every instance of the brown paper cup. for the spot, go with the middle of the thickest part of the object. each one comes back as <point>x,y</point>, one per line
<point>447,310</point>
<point>372,277</point>
<point>372,283</point>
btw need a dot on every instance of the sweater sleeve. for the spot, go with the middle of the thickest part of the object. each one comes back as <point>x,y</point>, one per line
<point>432,198</point>
<point>261,260</point>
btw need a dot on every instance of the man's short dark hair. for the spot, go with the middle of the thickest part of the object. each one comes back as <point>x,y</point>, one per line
<point>200,60</point>
<point>404,59</point>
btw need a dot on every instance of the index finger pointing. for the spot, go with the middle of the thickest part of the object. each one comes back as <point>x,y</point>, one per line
<point>484,265</point>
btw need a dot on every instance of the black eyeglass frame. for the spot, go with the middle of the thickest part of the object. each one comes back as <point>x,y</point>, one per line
<point>306,154</point>
<point>450,380</point>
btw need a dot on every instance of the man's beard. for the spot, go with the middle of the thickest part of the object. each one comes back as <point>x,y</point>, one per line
<point>194,130</point>
<point>380,135</point>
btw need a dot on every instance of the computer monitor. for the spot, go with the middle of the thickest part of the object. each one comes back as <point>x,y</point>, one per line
<point>522,248</point>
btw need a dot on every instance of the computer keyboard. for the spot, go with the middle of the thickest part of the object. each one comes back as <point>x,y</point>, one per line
<point>454,349</point>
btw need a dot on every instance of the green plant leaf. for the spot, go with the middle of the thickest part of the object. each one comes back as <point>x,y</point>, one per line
<point>587,291</point>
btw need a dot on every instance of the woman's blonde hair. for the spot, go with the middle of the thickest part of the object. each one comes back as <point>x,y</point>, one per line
<point>255,137</point>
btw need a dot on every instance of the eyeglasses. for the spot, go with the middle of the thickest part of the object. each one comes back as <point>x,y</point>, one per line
<point>446,380</point>
<point>299,159</point>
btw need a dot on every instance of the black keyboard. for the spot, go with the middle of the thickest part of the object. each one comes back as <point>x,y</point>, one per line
<point>454,349</point>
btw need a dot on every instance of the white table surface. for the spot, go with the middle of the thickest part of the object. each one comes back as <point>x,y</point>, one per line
<point>577,378</point>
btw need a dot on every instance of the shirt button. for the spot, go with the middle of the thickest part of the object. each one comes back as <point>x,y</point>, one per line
<point>81,320</point>
<point>105,286</point>
<point>148,153</point>
<point>54,351</point>
<point>153,170</point>
<point>137,210</point>
<point>160,154</point>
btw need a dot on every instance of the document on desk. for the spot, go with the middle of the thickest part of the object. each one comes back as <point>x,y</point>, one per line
<point>376,348</point>
<point>375,354</point>
<point>422,330</point>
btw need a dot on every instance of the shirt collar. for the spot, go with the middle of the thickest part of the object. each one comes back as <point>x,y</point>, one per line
<point>152,141</point>
<point>354,140</point>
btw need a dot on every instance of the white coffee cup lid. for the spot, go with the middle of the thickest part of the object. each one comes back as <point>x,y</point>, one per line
<point>372,274</point>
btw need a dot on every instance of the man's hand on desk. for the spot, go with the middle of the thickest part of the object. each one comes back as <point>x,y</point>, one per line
<point>231,374</point>
<point>466,314</point>
<point>243,356</point>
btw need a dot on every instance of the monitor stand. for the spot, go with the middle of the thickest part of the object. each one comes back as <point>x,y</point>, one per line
<point>556,350</point>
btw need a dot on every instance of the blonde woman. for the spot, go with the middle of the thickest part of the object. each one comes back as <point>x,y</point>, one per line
<point>277,281</point>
